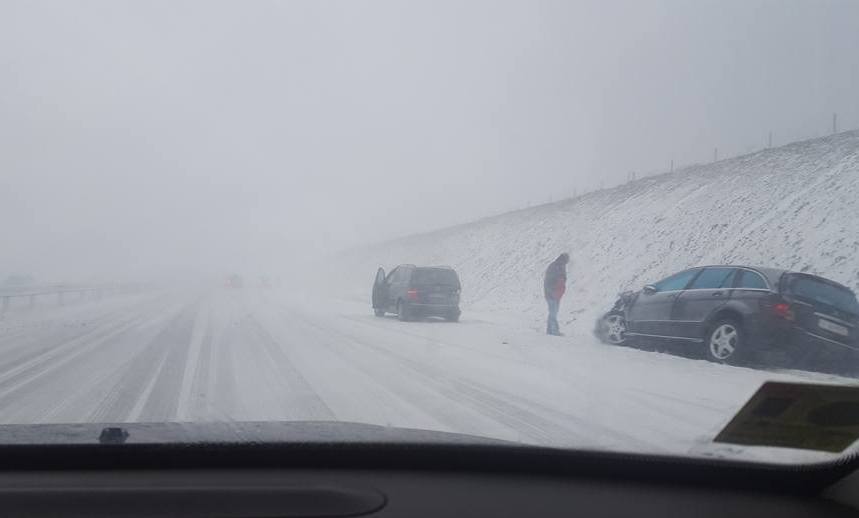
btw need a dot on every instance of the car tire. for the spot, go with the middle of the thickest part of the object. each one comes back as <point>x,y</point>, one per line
<point>725,342</point>
<point>613,329</point>
<point>453,317</point>
<point>379,312</point>
<point>403,312</point>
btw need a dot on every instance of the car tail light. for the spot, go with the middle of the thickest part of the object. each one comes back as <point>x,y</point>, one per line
<point>783,310</point>
<point>412,294</point>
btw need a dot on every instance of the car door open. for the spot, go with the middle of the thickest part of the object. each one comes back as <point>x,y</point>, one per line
<point>380,295</point>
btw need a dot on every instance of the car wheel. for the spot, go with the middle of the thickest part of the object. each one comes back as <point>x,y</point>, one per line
<point>453,317</point>
<point>379,312</point>
<point>725,342</point>
<point>403,312</point>
<point>614,329</point>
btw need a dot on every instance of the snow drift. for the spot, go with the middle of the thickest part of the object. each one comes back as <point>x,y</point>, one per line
<point>794,207</point>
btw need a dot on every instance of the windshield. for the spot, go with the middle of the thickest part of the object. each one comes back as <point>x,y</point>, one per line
<point>420,215</point>
<point>817,290</point>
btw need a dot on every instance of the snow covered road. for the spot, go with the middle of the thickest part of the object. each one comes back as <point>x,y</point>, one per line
<point>251,355</point>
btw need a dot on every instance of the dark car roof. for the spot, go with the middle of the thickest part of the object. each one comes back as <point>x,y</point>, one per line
<point>426,267</point>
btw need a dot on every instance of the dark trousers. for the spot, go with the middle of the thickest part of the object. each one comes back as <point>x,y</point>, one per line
<point>552,327</point>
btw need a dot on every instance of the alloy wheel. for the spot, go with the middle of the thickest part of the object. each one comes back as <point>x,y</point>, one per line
<point>723,341</point>
<point>615,329</point>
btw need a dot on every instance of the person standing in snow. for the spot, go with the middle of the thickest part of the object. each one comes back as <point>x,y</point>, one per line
<point>554,286</point>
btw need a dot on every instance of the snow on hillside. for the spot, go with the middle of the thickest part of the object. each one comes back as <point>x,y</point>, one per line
<point>794,207</point>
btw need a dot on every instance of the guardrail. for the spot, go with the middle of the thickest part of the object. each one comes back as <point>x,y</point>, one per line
<point>62,291</point>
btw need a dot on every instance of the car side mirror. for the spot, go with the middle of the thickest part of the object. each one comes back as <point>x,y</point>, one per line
<point>650,289</point>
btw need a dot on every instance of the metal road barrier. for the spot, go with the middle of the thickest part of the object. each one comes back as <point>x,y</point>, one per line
<point>64,292</point>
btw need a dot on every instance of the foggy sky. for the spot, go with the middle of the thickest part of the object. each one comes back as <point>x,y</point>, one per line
<point>136,136</point>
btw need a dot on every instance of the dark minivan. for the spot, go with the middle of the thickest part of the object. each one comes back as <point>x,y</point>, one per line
<point>739,312</point>
<point>417,291</point>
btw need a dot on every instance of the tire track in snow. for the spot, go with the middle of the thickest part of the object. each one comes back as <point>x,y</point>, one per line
<point>199,408</point>
<point>511,410</point>
<point>652,402</point>
<point>485,402</point>
<point>46,330</point>
<point>159,400</point>
<point>113,400</point>
<point>222,399</point>
<point>560,373</point>
<point>32,373</point>
<point>67,346</point>
<point>646,411</point>
<point>47,386</point>
<point>106,367</point>
<point>192,362</point>
<point>298,396</point>
<point>125,402</point>
<point>351,384</point>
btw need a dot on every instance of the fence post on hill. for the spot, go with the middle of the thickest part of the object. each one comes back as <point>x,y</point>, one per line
<point>715,154</point>
<point>672,165</point>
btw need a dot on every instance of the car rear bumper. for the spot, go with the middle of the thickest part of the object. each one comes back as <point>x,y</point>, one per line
<point>806,340</point>
<point>434,310</point>
<point>809,349</point>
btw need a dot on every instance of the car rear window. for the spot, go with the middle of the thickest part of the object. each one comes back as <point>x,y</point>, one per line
<point>435,276</point>
<point>820,291</point>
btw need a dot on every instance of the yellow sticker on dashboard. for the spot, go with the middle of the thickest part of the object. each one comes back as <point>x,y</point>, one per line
<point>797,415</point>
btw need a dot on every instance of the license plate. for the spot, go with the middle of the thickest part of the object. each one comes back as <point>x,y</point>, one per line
<point>832,327</point>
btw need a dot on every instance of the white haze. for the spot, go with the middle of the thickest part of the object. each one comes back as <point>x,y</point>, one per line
<point>200,136</point>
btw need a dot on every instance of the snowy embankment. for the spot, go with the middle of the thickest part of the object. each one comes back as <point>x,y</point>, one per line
<point>794,207</point>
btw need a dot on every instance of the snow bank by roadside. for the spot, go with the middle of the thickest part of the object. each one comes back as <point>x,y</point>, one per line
<point>793,207</point>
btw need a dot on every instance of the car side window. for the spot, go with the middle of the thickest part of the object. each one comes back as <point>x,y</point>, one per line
<point>752,280</point>
<point>714,278</point>
<point>394,275</point>
<point>676,282</point>
<point>403,275</point>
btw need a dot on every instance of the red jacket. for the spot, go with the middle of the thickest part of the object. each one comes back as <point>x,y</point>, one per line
<point>555,281</point>
<point>560,287</point>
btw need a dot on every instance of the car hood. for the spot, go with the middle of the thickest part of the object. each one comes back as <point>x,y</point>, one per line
<point>303,432</point>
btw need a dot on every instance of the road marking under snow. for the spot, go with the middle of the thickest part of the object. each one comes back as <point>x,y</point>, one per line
<point>201,322</point>
<point>134,415</point>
